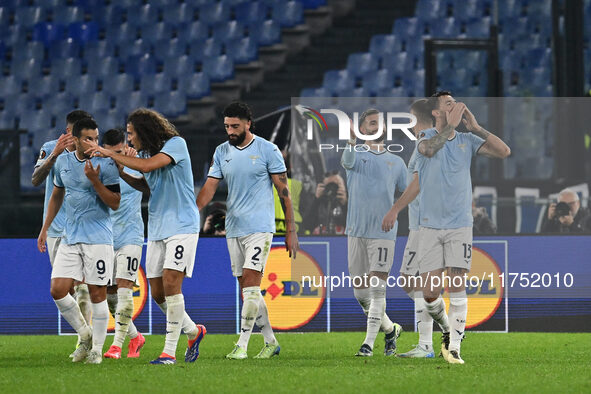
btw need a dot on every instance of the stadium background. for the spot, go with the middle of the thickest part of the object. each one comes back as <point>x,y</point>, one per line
<point>188,59</point>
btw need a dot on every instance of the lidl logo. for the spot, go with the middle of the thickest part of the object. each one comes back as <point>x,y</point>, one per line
<point>140,296</point>
<point>291,303</point>
<point>483,299</point>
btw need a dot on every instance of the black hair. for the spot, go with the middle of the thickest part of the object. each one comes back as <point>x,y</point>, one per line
<point>422,110</point>
<point>113,137</point>
<point>77,115</point>
<point>83,124</point>
<point>366,113</point>
<point>239,110</point>
<point>434,101</point>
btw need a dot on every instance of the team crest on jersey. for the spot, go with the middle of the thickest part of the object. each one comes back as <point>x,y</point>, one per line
<point>254,158</point>
<point>462,147</point>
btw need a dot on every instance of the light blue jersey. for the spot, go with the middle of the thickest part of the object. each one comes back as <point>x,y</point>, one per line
<point>250,201</point>
<point>413,207</point>
<point>128,225</point>
<point>57,226</point>
<point>172,208</point>
<point>372,181</point>
<point>446,185</point>
<point>87,216</point>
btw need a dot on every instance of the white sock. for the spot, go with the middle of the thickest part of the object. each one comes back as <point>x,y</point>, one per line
<point>437,311</point>
<point>458,310</point>
<point>100,321</point>
<point>71,312</point>
<point>250,308</point>
<point>83,299</point>
<point>364,300</point>
<point>263,322</point>
<point>377,309</point>
<point>424,322</point>
<point>188,326</point>
<point>112,302</point>
<point>123,315</point>
<point>175,310</point>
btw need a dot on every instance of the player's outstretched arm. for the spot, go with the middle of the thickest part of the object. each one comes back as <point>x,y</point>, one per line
<point>138,183</point>
<point>431,146</point>
<point>53,207</point>
<point>291,237</point>
<point>110,197</point>
<point>410,193</point>
<point>207,191</point>
<point>144,165</point>
<point>41,172</point>
<point>493,146</point>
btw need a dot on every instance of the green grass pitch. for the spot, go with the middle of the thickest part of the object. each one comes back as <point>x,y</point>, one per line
<point>312,362</point>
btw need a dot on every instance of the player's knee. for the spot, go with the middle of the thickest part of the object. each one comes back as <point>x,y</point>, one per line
<point>97,293</point>
<point>430,299</point>
<point>57,292</point>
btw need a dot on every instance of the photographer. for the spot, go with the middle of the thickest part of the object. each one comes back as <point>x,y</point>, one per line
<point>215,221</point>
<point>330,210</point>
<point>567,216</point>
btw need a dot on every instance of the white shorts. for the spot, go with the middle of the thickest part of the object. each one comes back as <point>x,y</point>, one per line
<point>174,253</point>
<point>369,254</point>
<point>127,263</point>
<point>92,264</point>
<point>445,248</point>
<point>410,261</point>
<point>250,251</point>
<point>53,244</point>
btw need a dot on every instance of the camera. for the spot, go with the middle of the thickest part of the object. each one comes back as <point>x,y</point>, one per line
<point>330,190</point>
<point>562,209</point>
<point>218,220</point>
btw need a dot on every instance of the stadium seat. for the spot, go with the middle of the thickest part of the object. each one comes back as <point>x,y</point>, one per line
<point>228,31</point>
<point>116,84</point>
<point>465,10</point>
<point>121,33</point>
<point>177,66</point>
<point>11,84</point>
<point>155,84</point>
<point>26,69</point>
<point>7,120</point>
<point>243,50</point>
<point>145,15</point>
<point>266,33</point>
<point>95,102</point>
<point>376,81</point>
<point>137,47</point>
<point>407,27</point>
<point>200,50</point>
<point>83,32</point>
<point>195,86</point>
<point>64,48</point>
<point>107,15</point>
<point>130,101</point>
<point>14,35</point>
<point>314,92</point>
<point>30,50</point>
<point>45,86</point>
<point>509,9</point>
<point>539,57</point>
<point>101,67</point>
<point>528,213</point>
<point>288,14</point>
<point>359,64</point>
<point>97,50</point>
<point>139,65</point>
<point>29,16</point>
<point>66,68</point>
<point>155,32</point>
<point>336,81</point>
<point>445,28</point>
<point>251,12</point>
<point>79,85</point>
<point>47,32</point>
<point>4,16</point>
<point>67,15</point>
<point>219,69</point>
<point>179,13</point>
<point>171,104</point>
<point>197,30</point>
<point>396,62</point>
<point>214,13</point>
<point>36,121</point>
<point>478,28</point>
<point>429,9</point>
<point>398,91</point>
<point>166,48</point>
<point>486,196</point>
<point>384,44</point>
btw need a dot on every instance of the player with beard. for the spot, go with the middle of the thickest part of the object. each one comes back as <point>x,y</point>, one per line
<point>251,166</point>
<point>374,175</point>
